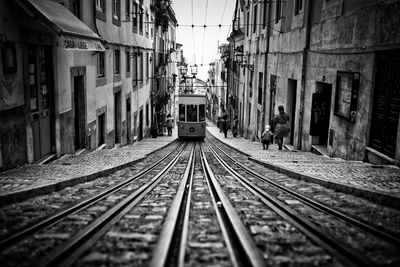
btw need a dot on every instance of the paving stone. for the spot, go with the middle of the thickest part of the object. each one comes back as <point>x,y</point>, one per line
<point>69,168</point>
<point>25,181</point>
<point>365,178</point>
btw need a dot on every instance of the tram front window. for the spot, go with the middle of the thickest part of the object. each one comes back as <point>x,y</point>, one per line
<point>181,112</point>
<point>192,113</point>
<point>202,112</point>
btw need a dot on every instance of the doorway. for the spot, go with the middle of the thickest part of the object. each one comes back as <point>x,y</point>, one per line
<point>128,121</point>
<point>273,84</point>
<point>41,101</point>
<point>320,113</point>
<point>386,107</point>
<point>140,136</point>
<point>117,117</point>
<point>80,111</point>
<point>101,129</point>
<point>291,106</point>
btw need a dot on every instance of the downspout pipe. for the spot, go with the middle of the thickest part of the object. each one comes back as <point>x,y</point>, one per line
<point>95,26</point>
<point>304,73</point>
<point>266,62</point>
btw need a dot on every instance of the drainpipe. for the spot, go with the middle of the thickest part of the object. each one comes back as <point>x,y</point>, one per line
<point>266,62</point>
<point>304,73</point>
<point>94,18</point>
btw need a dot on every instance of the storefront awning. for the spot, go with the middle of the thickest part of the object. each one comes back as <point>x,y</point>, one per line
<point>76,35</point>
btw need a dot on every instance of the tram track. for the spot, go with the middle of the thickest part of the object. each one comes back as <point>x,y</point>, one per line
<point>387,247</point>
<point>364,225</point>
<point>200,206</point>
<point>90,212</point>
<point>241,248</point>
<point>26,216</point>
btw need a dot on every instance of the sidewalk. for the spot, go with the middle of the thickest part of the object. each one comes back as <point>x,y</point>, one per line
<point>31,180</point>
<point>378,183</point>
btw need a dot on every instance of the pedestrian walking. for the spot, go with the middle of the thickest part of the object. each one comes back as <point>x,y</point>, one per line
<point>266,137</point>
<point>219,124</point>
<point>225,125</point>
<point>281,126</point>
<point>170,123</point>
<point>235,124</point>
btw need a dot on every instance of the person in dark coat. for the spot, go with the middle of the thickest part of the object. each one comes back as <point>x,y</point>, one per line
<point>170,124</point>
<point>235,126</point>
<point>225,125</point>
<point>281,126</point>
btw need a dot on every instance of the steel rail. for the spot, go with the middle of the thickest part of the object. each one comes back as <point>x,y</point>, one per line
<point>67,253</point>
<point>347,255</point>
<point>242,249</point>
<point>176,224</point>
<point>25,233</point>
<point>386,235</point>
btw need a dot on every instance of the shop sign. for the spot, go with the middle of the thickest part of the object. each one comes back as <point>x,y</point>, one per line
<point>76,43</point>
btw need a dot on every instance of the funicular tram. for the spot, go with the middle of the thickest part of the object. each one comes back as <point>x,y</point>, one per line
<point>191,116</point>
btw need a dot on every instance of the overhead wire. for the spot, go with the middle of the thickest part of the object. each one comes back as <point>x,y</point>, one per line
<point>194,47</point>
<point>204,33</point>
<point>220,25</point>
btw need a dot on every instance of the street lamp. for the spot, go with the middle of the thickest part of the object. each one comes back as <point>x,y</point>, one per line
<point>183,70</point>
<point>239,57</point>
<point>193,70</point>
<point>242,59</point>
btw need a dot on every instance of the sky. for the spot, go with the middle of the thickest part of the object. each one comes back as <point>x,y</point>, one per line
<point>200,45</point>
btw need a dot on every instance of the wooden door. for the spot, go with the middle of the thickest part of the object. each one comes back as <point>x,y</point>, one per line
<point>386,106</point>
<point>273,84</point>
<point>140,124</point>
<point>128,121</point>
<point>80,111</point>
<point>39,66</point>
<point>117,117</point>
<point>320,113</point>
<point>291,106</point>
<point>101,129</point>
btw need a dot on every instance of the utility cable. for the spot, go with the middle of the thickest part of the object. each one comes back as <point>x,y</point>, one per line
<point>204,33</point>
<point>220,25</point>
<point>194,47</point>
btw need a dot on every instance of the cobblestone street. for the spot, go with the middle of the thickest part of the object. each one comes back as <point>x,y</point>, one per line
<point>368,180</point>
<point>66,180</point>
<point>199,133</point>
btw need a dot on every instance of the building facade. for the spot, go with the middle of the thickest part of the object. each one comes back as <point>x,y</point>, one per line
<point>333,66</point>
<point>76,75</point>
<point>164,70</point>
<point>46,69</point>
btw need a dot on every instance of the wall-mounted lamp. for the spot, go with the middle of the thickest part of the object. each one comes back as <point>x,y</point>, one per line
<point>246,65</point>
<point>135,53</point>
<point>242,60</point>
<point>239,57</point>
<point>183,70</point>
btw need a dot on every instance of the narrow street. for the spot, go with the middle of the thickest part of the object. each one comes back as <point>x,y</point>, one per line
<point>239,133</point>
<point>132,238</point>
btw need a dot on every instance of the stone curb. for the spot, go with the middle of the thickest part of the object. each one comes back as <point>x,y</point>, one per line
<point>374,196</point>
<point>41,189</point>
<point>381,198</point>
